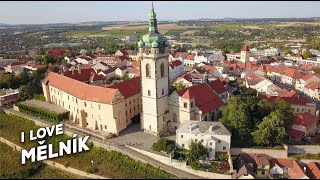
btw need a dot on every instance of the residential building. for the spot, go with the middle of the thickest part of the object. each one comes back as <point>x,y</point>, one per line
<point>14,68</point>
<point>102,66</point>
<point>286,168</point>
<point>88,76</point>
<point>304,125</point>
<point>8,96</point>
<point>213,135</point>
<point>94,107</point>
<point>306,79</point>
<point>176,69</point>
<point>252,165</point>
<point>233,56</point>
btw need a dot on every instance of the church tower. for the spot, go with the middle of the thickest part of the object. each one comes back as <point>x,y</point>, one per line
<point>154,55</point>
<point>245,53</point>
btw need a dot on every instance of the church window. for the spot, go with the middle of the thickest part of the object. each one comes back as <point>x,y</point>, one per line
<point>148,69</point>
<point>162,69</point>
<point>149,93</point>
<point>85,104</point>
<point>162,91</point>
<point>191,105</point>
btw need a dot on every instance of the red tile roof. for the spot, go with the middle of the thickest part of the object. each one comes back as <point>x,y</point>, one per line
<point>289,97</point>
<point>245,48</point>
<point>85,75</point>
<point>206,100</point>
<point>217,86</point>
<point>128,88</point>
<point>136,64</point>
<point>313,170</point>
<point>294,169</point>
<point>187,95</point>
<point>295,133</point>
<point>79,89</point>
<point>190,57</point>
<point>175,63</point>
<point>304,119</point>
<point>293,73</point>
<point>186,77</point>
<point>306,77</point>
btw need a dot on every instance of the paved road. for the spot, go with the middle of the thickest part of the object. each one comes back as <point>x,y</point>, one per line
<point>121,148</point>
<point>302,149</point>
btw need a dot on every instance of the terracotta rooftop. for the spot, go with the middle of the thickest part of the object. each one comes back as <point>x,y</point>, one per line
<point>175,63</point>
<point>79,89</point>
<point>304,119</point>
<point>129,88</point>
<point>245,48</point>
<point>294,169</point>
<point>84,75</point>
<point>313,170</point>
<point>206,100</point>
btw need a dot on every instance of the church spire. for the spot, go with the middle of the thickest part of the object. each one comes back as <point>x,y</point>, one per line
<point>153,19</point>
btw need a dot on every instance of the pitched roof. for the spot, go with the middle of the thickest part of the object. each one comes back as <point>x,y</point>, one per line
<point>187,95</point>
<point>217,86</point>
<point>295,133</point>
<point>186,77</point>
<point>206,100</point>
<point>128,88</point>
<point>293,73</point>
<point>175,63</point>
<point>79,89</point>
<point>245,48</point>
<point>306,77</point>
<point>84,75</point>
<point>294,169</point>
<point>182,54</point>
<point>313,170</point>
<point>304,119</point>
<point>246,170</point>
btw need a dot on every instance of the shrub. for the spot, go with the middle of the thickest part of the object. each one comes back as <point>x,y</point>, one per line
<point>164,144</point>
<point>223,157</point>
<point>39,97</point>
<point>92,170</point>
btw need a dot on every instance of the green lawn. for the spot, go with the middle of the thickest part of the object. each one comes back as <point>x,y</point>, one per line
<point>11,167</point>
<point>307,156</point>
<point>110,164</point>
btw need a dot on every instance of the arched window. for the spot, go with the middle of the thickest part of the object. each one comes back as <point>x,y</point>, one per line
<point>162,69</point>
<point>174,117</point>
<point>148,70</point>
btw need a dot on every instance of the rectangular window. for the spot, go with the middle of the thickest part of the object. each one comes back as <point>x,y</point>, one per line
<point>202,140</point>
<point>263,173</point>
<point>181,136</point>
<point>91,105</point>
<point>211,144</point>
<point>219,141</point>
<point>224,148</point>
<point>298,109</point>
<point>185,105</point>
<point>85,104</point>
<point>99,106</point>
<point>191,105</point>
<point>182,145</point>
<point>196,140</point>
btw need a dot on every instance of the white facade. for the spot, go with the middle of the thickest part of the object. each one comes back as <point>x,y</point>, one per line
<point>244,56</point>
<point>175,72</point>
<point>213,136</point>
<point>154,82</point>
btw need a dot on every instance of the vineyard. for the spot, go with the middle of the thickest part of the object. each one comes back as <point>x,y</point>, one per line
<point>110,164</point>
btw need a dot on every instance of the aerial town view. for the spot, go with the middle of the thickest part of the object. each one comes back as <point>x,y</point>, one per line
<point>160,90</point>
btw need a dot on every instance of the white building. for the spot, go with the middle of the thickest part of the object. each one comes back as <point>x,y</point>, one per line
<point>176,69</point>
<point>245,52</point>
<point>213,136</point>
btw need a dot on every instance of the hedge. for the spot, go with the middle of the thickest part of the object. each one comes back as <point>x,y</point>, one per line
<point>54,117</point>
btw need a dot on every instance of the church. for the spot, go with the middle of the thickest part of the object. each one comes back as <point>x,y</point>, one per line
<point>162,112</point>
<point>111,109</point>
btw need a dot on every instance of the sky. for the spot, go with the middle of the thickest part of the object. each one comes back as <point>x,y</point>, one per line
<point>43,12</point>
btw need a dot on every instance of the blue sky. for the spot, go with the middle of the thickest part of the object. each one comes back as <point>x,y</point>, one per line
<point>36,12</point>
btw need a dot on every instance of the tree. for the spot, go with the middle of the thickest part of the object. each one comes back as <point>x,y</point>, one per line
<point>164,144</point>
<point>264,109</point>
<point>287,51</point>
<point>285,109</point>
<point>271,130</point>
<point>196,152</point>
<point>24,78</point>
<point>237,116</point>
<point>306,54</point>
<point>178,86</point>
<point>316,70</point>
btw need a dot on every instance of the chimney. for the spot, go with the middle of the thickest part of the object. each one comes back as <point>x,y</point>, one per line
<point>79,68</point>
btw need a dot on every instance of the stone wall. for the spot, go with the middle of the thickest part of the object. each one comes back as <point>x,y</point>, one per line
<point>182,165</point>
<point>271,153</point>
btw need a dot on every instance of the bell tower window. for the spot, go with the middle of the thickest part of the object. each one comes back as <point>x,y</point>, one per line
<point>148,70</point>
<point>162,69</point>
